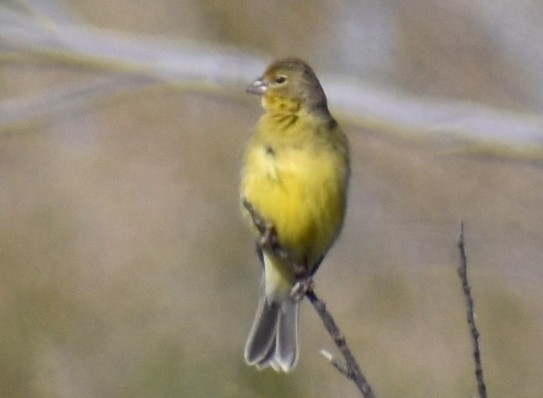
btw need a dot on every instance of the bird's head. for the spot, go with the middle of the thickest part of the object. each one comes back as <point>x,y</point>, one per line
<point>289,85</point>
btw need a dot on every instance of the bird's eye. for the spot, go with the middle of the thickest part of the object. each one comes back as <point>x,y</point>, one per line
<point>280,79</point>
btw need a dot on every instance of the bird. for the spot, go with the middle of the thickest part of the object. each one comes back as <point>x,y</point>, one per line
<point>295,176</point>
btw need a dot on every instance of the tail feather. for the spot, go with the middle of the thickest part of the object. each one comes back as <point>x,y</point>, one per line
<point>273,340</point>
<point>286,347</point>
<point>261,342</point>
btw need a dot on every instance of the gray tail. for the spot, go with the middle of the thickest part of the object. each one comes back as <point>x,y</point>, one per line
<point>273,340</point>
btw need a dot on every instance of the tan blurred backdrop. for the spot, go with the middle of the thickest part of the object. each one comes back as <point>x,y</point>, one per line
<point>126,271</point>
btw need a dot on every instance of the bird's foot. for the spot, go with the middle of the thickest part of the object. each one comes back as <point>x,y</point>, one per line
<point>301,287</point>
<point>268,237</point>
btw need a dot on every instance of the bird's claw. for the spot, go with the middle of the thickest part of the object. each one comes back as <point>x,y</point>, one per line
<point>301,287</point>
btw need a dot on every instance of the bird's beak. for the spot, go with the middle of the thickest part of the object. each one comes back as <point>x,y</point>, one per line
<point>257,87</point>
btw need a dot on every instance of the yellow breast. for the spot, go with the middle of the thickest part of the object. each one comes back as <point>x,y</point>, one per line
<point>296,178</point>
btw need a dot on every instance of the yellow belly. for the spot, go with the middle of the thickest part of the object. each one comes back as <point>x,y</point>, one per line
<point>301,191</point>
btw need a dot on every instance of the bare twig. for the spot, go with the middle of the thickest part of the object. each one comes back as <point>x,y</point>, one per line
<point>339,366</point>
<point>351,370</point>
<point>268,241</point>
<point>463,274</point>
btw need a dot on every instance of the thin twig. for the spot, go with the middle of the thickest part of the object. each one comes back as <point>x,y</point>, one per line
<point>351,370</point>
<point>268,241</point>
<point>463,274</point>
<point>339,366</point>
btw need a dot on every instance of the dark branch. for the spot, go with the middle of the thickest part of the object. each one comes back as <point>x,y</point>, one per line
<point>339,366</point>
<point>268,241</point>
<point>351,369</point>
<point>463,274</point>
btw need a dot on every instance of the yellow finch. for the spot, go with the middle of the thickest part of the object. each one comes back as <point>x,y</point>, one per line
<point>295,176</point>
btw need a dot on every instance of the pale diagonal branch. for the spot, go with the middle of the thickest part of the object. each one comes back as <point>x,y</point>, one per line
<point>55,39</point>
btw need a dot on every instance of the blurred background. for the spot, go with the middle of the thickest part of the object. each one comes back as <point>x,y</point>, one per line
<point>125,268</point>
